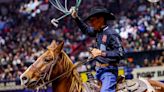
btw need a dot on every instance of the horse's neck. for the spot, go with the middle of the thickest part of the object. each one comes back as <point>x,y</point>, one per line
<point>62,85</point>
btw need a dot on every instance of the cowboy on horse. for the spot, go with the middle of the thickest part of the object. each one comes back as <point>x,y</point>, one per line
<point>54,66</point>
<point>108,51</point>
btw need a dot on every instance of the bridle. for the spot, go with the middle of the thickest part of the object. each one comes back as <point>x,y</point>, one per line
<point>45,75</point>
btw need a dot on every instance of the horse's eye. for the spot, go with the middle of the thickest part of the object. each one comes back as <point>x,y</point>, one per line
<point>47,60</point>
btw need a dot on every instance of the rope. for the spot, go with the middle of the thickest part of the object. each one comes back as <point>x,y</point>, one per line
<point>66,5</point>
<point>60,5</point>
<point>78,2</point>
<point>53,3</point>
<point>63,9</point>
<point>83,62</point>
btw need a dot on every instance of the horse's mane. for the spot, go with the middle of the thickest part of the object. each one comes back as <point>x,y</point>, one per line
<point>76,84</point>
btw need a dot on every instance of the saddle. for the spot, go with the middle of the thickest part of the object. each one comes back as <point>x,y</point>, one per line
<point>134,85</point>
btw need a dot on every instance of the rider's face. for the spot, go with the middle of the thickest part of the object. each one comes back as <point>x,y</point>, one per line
<point>97,22</point>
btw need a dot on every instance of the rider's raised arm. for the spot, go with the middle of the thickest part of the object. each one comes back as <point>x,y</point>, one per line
<point>84,28</point>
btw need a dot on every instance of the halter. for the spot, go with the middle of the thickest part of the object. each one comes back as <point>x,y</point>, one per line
<point>47,73</point>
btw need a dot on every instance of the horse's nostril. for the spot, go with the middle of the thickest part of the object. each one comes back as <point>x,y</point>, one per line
<point>24,78</point>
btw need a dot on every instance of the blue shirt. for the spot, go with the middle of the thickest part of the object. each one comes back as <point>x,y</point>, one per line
<point>107,40</point>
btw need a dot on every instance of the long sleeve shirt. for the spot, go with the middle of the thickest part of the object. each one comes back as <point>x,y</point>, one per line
<point>108,41</point>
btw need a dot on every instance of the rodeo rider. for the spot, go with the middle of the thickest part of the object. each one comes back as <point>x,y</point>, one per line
<point>108,51</point>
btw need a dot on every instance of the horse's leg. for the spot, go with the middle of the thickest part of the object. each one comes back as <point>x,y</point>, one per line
<point>158,86</point>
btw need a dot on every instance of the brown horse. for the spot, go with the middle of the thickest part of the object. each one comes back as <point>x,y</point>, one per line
<point>54,66</point>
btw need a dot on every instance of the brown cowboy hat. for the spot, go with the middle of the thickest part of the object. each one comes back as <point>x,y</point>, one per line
<point>100,11</point>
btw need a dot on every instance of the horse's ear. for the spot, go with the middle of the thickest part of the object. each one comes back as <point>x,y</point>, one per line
<point>53,45</point>
<point>60,47</point>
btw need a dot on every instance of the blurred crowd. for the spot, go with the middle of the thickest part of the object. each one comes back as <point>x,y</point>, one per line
<point>23,37</point>
<point>157,61</point>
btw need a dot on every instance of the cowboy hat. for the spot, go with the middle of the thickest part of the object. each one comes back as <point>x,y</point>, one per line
<point>100,11</point>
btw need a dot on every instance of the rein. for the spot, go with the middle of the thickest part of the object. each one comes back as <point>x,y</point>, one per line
<point>50,71</point>
<point>47,73</point>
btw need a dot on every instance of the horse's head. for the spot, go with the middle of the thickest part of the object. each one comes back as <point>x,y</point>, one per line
<point>41,70</point>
